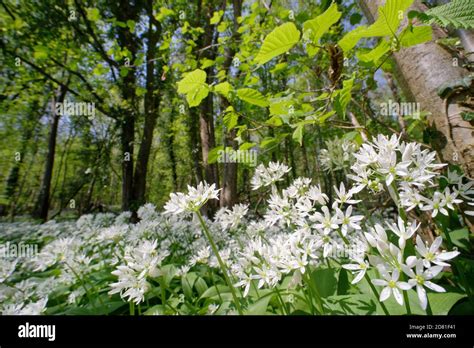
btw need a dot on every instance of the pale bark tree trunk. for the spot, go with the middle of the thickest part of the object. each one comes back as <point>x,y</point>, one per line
<point>421,70</point>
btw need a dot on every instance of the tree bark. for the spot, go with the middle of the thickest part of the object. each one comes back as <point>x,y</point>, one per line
<point>421,70</point>
<point>152,102</point>
<point>229,194</point>
<point>42,203</point>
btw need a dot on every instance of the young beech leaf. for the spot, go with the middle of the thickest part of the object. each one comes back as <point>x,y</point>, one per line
<point>279,41</point>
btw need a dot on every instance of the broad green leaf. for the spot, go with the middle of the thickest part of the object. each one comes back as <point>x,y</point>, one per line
<point>223,88</point>
<point>194,86</point>
<point>344,96</point>
<point>416,35</point>
<point>93,14</point>
<point>314,29</point>
<point>259,307</point>
<point>343,282</point>
<point>389,17</point>
<point>279,41</point>
<point>200,286</point>
<point>156,310</point>
<point>246,146</point>
<point>216,17</point>
<point>206,63</point>
<point>230,120</point>
<point>324,279</point>
<point>213,155</point>
<point>215,291</point>
<point>460,238</point>
<point>252,96</point>
<point>375,54</point>
<point>164,12</point>
<point>298,134</point>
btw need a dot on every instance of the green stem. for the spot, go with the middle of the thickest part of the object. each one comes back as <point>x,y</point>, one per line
<point>317,296</point>
<point>132,308</point>
<point>221,263</point>
<point>428,306</point>
<point>374,290</point>
<point>281,301</point>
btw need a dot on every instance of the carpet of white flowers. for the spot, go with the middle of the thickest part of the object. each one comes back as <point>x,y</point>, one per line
<point>304,251</point>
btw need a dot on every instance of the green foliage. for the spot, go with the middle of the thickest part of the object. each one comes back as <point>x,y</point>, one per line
<point>194,86</point>
<point>279,41</point>
<point>252,96</point>
<point>314,29</point>
<point>456,13</point>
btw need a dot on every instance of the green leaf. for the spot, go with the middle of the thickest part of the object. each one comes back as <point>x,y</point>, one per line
<point>279,41</point>
<point>460,238</point>
<point>41,52</point>
<point>456,13</point>
<point>259,307</point>
<point>324,279</point>
<point>155,310</point>
<point>344,96</point>
<point>375,54</point>
<point>215,291</point>
<point>416,35</point>
<point>93,14</point>
<point>164,12</point>
<point>187,283</point>
<point>200,286</point>
<point>387,23</point>
<point>230,120</point>
<point>314,29</point>
<point>216,17</point>
<point>252,96</point>
<point>298,134</point>
<point>194,86</point>
<point>343,282</point>
<point>223,88</point>
<point>213,155</point>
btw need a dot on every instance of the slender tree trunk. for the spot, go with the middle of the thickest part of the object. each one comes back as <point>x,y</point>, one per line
<point>229,194</point>
<point>421,70</point>
<point>152,102</point>
<point>42,204</point>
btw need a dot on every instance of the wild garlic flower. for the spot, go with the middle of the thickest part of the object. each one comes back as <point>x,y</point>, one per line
<point>432,254</point>
<point>391,285</point>
<point>359,268</point>
<point>403,232</point>
<point>231,218</point>
<point>421,278</point>
<point>192,201</point>
<point>266,176</point>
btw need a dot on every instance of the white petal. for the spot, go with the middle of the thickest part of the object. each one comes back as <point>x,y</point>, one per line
<point>404,285</point>
<point>436,244</point>
<point>422,296</point>
<point>447,255</point>
<point>385,294</point>
<point>358,278</point>
<point>398,296</point>
<point>379,282</point>
<point>434,287</point>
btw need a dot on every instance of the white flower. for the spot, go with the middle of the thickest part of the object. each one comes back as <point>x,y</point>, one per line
<point>192,201</point>
<point>347,221</point>
<point>421,278</point>
<point>403,232</point>
<point>327,222</point>
<point>450,198</point>
<point>391,286</point>
<point>266,176</point>
<point>432,255</point>
<point>343,197</point>
<point>436,205</point>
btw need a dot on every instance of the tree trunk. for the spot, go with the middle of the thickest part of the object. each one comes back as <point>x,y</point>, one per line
<point>125,11</point>
<point>229,194</point>
<point>42,204</point>
<point>421,70</point>
<point>152,102</point>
